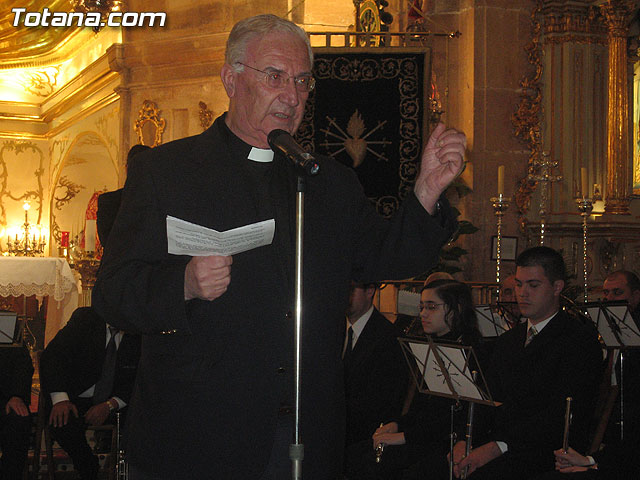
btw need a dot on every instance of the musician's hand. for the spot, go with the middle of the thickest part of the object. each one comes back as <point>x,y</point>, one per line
<point>97,414</point>
<point>571,461</point>
<point>388,439</point>
<point>60,413</point>
<point>17,405</point>
<point>391,427</point>
<point>459,451</point>
<point>477,458</point>
<point>207,277</point>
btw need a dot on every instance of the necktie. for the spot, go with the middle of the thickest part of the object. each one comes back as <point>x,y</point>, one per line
<point>105,384</point>
<point>348,348</point>
<point>532,332</point>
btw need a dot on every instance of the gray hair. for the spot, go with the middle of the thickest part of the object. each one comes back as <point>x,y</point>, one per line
<point>250,28</point>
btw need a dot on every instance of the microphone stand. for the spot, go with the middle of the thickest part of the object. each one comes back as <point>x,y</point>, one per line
<point>296,449</point>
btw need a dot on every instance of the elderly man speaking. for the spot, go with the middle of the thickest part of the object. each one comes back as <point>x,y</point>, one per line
<point>215,387</point>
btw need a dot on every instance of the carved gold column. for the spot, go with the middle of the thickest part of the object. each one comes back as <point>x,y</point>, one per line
<point>616,13</point>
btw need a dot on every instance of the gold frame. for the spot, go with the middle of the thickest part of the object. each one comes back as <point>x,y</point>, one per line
<point>150,113</point>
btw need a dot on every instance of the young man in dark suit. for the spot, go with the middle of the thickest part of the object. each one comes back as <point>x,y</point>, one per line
<point>376,374</point>
<point>16,370</point>
<point>534,368</point>
<point>84,383</point>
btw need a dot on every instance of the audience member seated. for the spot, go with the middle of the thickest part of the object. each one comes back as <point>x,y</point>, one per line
<point>88,371</point>
<point>376,373</point>
<point>109,202</point>
<point>507,300</point>
<point>16,371</point>
<point>410,442</point>
<point>534,367</point>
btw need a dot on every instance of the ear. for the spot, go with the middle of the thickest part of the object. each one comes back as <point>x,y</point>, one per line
<point>558,286</point>
<point>229,77</point>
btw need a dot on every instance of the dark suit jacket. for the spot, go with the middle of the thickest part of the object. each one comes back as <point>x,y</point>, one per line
<point>376,379</point>
<point>108,206</point>
<point>563,360</point>
<point>16,370</point>
<point>232,358</point>
<point>72,361</point>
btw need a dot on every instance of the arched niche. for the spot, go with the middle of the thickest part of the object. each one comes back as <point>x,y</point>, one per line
<point>87,168</point>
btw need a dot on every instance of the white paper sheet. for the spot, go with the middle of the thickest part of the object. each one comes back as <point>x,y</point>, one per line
<point>186,238</point>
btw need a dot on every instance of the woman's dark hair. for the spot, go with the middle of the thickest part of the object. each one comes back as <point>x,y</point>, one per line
<point>460,315</point>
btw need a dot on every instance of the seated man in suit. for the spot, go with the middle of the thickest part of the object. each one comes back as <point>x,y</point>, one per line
<point>88,370</point>
<point>624,285</point>
<point>534,367</point>
<point>376,374</point>
<point>16,371</point>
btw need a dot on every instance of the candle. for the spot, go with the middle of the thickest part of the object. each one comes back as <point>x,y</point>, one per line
<point>501,180</point>
<point>90,236</point>
<point>583,183</point>
<point>64,239</point>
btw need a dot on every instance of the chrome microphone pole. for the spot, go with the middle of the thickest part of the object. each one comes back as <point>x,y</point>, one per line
<point>296,449</point>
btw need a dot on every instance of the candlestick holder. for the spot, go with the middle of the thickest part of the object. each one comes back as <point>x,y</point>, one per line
<point>87,266</point>
<point>585,206</point>
<point>500,205</point>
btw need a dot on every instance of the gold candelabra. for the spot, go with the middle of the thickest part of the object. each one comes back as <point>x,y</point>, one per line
<point>585,206</point>
<point>500,205</point>
<point>25,243</point>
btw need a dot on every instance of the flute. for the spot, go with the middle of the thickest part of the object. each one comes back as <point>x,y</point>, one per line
<point>379,449</point>
<point>567,422</point>
<point>469,429</point>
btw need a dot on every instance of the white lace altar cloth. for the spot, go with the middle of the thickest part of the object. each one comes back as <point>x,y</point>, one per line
<point>49,277</point>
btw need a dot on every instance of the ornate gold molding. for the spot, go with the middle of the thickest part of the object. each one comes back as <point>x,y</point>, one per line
<point>206,115</point>
<point>149,124</point>
<point>36,194</point>
<point>526,119</point>
<point>43,82</point>
<point>587,21</point>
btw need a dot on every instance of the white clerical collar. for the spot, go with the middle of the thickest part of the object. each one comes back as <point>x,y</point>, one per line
<point>261,155</point>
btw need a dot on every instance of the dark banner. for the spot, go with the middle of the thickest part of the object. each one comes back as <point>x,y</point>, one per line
<point>368,112</point>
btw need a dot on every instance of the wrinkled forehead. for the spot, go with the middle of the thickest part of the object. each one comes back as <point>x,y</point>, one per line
<point>279,47</point>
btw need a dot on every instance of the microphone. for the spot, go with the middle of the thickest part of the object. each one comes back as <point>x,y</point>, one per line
<point>283,142</point>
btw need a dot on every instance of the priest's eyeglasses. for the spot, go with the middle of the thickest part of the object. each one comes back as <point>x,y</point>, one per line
<point>430,306</point>
<point>278,80</point>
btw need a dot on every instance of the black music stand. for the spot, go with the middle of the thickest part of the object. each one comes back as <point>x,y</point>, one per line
<point>618,331</point>
<point>445,370</point>
<point>490,321</point>
<point>10,330</point>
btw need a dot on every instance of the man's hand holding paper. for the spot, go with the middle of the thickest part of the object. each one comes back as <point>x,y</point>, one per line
<point>208,273</point>
<point>207,278</point>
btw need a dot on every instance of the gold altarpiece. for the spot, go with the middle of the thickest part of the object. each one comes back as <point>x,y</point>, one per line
<point>575,118</point>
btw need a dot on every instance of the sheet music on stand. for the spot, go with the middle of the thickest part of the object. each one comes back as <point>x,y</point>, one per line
<point>490,322</point>
<point>444,369</point>
<point>614,323</point>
